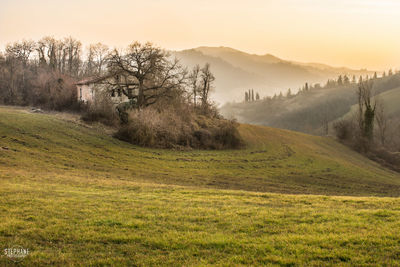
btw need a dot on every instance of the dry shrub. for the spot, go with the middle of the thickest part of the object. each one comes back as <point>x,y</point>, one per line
<point>216,133</point>
<point>386,158</point>
<point>54,91</point>
<point>179,127</point>
<point>344,130</point>
<point>101,109</point>
<point>348,132</point>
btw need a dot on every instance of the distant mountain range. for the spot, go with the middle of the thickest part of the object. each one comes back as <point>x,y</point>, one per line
<point>237,71</point>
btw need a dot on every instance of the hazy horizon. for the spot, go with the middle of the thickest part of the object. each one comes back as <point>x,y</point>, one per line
<point>343,33</point>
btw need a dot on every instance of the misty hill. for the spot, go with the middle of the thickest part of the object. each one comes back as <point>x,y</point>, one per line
<point>237,71</point>
<point>308,111</point>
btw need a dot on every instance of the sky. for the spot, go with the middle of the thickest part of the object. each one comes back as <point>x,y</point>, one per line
<point>352,33</point>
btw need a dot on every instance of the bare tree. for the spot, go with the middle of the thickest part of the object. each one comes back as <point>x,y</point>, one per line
<point>366,109</point>
<point>21,50</point>
<point>17,76</point>
<point>46,48</point>
<point>147,69</point>
<point>381,120</point>
<point>100,52</point>
<point>194,83</point>
<point>73,51</point>
<point>96,59</point>
<point>60,56</point>
<point>207,79</point>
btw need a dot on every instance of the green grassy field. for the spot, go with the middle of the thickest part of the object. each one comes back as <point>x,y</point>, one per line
<point>75,196</point>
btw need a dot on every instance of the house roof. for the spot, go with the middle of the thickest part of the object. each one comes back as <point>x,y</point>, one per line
<point>93,79</point>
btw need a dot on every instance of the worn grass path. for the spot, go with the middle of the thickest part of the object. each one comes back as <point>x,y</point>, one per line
<point>75,196</point>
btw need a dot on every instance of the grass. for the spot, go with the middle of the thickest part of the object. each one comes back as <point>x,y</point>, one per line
<point>75,196</point>
<point>391,100</point>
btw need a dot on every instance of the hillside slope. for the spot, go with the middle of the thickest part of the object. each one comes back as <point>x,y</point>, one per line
<point>74,196</point>
<point>390,99</point>
<point>306,112</point>
<point>275,161</point>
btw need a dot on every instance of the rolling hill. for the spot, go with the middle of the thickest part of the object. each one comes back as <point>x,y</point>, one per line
<point>74,195</point>
<point>306,112</point>
<point>391,101</point>
<point>276,160</point>
<point>237,71</point>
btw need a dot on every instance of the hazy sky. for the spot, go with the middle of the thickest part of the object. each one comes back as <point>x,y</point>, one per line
<point>355,33</point>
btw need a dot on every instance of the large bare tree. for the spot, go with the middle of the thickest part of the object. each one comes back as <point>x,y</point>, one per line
<point>147,69</point>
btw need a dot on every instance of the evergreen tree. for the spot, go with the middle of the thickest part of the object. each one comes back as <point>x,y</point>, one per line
<point>354,80</point>
<point>246,96</point>
<point>346,80</point>
<point>289,93</point>
<point>340,80</point>
<point>375,75</point>
<point>257,96</point>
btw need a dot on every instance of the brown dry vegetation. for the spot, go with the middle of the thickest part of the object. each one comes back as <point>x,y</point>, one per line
<point>179,128</point>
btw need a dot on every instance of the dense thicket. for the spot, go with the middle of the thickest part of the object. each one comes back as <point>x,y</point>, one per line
<point>41,73</point>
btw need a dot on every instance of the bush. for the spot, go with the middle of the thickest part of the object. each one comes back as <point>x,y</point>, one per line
<point>348,132</point>
<point>386,158</point>
<point>343,129</point>
<point>179,128</point>
<point>102,110</point>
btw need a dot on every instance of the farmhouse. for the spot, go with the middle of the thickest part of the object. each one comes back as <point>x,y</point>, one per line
<point>111,85</point>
